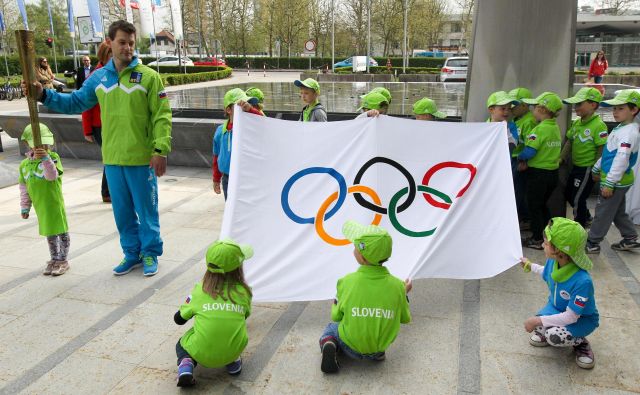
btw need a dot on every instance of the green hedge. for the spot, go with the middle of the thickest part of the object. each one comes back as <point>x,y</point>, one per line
<point>190,69</point>
<point>64,64</point>
<point>181,79</point>
<point>398,70</point>
<point>316,63</point>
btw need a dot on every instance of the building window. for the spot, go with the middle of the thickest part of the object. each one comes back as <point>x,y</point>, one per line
<point>456,27</point>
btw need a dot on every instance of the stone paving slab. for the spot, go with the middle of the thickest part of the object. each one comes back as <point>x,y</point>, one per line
<point>88,332</point>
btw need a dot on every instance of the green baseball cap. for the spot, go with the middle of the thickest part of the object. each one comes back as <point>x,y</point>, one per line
<point>584,94</point>
<point>549,100</point>
<point>255,92</point>
<point>373,101</point>
<point>46,137</point>
<point>224,256</point>
<point>308,83</point>
<point>235,95</point>
<point>520,93</point>
<point>501,98</point>
<point>373,242</point>
<point>623,97</point>
<point>427,106</point>
<point>384,92</point>
<point>569,237</point>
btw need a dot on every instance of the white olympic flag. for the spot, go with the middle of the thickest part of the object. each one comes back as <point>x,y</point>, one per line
<point>443,190</point>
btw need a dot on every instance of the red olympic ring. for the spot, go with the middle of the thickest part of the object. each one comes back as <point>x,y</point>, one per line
<point>427,177</point>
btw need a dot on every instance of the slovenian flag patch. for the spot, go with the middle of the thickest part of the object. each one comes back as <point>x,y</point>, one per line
<point>625,145</point>
<point>188,299</point>
<point>580,301</point>
<point>162,94</point>
<point>532,137</point>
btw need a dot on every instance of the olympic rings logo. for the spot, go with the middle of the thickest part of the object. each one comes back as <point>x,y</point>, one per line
<point>375,205</point>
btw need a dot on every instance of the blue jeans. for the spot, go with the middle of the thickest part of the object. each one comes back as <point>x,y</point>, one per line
<point>597,79</point>
<point>134,198</point>
<point>331,332</point>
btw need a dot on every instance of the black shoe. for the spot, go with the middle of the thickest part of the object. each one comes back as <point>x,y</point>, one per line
<point>532,243</point>
<point>592,248</point>
<point>626,245</point>
<point>329,360</point>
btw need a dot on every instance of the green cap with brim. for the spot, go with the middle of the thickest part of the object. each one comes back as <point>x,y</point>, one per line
<point>569,237</point>
<point>520,93</point>
<point>46,137</point>
<point>224,256</point>
<point>501,98</point>
<point>255,92</point>
<point>549,100</point>
<point>373,101</point>
<point>427,106</point>
<point>373,242</point>
<point>308,83</point>
<point>631,96</point>
<point>384,92</point>
<point>235,95</point>
<point>584,94</point>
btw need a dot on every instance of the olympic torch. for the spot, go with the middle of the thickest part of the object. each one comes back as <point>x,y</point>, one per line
<point>26,48</point>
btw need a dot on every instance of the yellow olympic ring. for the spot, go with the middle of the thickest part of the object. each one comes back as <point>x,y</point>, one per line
<point>319,222</point>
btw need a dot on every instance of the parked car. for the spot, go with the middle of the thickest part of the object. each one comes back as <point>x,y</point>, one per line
<point>349,62</point>
<point>171,61</point>
<point>454,69</point>
<point>210,62</point>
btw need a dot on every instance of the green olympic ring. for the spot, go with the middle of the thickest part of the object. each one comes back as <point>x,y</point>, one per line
<point>393,215</point>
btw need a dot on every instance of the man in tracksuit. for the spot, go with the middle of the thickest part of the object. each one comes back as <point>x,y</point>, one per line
<point>136,134</point>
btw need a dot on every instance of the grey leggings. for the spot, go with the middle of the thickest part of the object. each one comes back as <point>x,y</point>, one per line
<point>558,336</point>
<point>59,246</point>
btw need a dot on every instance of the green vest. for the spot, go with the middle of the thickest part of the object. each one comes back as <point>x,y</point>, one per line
<point>219,332</point>
<point>525,125</point>
<point>585,139</point>
<point>45,195</point>
<point>546,140</point>
<point>371,305</point>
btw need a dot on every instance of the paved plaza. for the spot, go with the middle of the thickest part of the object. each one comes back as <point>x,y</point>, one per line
<point>89,332</point>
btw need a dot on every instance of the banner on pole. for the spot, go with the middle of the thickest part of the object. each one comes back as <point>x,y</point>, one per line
<point>72,26</point>
<point>3,27</point>
<point>96,17</point>
<point>127,10</point>
<point>443,190</point>
<point>176,17</point>
<point>146,19</point>
<point>23,12</point>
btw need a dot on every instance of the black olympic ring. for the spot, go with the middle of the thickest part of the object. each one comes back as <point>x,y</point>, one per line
<point>382,210</point>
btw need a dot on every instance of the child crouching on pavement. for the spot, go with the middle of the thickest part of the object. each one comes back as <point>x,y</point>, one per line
<point>41,185</point>
<point>221,303</point>
<point>370,304</point>
<point>570,315</point>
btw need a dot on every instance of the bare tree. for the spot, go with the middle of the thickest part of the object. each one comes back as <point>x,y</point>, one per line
<point>617,7</point>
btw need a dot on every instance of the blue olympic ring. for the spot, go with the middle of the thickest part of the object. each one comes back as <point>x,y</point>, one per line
<point>284,197</point>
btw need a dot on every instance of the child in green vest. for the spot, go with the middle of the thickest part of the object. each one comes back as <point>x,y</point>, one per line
<point>259,96</point>
<point>425,110</point>
<point>541,160</point>
<point>570,314</point>
<point>223,136</point>
<point>585,140</point>
<point>373,104</point>
<point>525,122</point>
<point>41,186</point>
<point>313,110</point>
<point>370,304</point>
<point>221,303</point>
